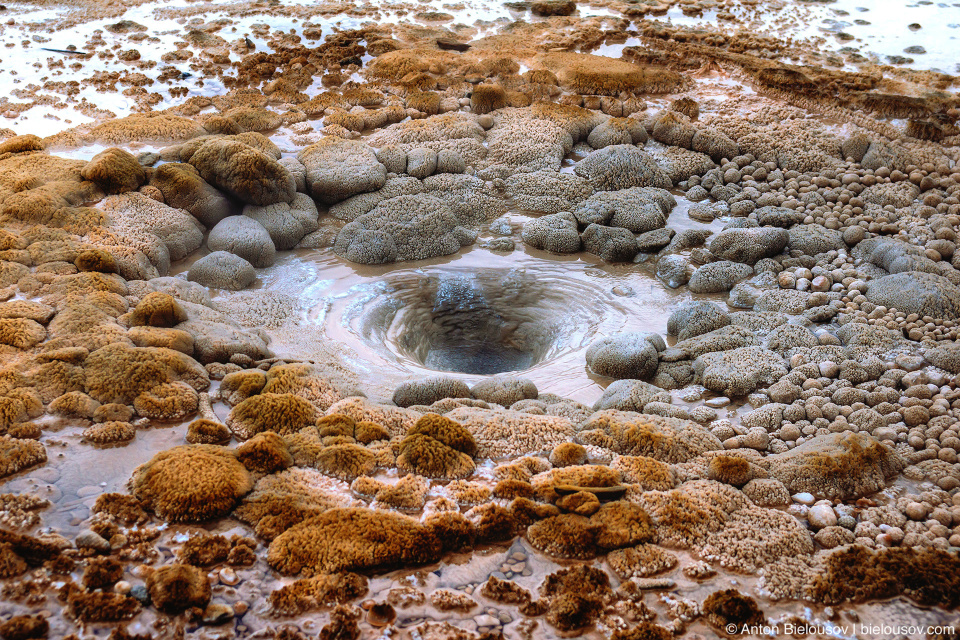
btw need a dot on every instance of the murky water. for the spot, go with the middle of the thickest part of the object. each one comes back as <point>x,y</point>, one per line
<point>477,312</point>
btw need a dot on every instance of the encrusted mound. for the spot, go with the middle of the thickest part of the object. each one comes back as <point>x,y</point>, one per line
<point>177,587</point>
<point>244,172</point>
<point>838,466</point>
<point>437,447</point>
<point>317,592</point>
<point>622,166</point>
<point>723,526</point>
<point>926,294</point>
<point>16,455</point>
<point>353,540</point>
<point>411,227</point>
<point>286,498</point>
<point>598,75</point>
<point>120,373</point>
<point>614,525</point>
<point>633,434</point>
<point>510,433</point>
<point>931,577</point>
<point>338,169</point>
<point>281,413</point>
<point>193,483</point>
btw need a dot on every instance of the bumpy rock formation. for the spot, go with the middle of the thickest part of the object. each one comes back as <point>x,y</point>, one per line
<point>925,294</point>
<point>840,466</point>
<point>243,171</point>
<point>621,167</point>
<point>222,270</point>
<point>749,245</point>
<point>437,447</point>
<point>351,540</point>
<point>245,237</point>
<point>555,232</point>
<point>625,355</point>
<point>338,169</point>
<point>413,227</point>
<point>194,483</point>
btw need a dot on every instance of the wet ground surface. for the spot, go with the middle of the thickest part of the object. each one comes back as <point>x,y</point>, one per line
<point>412,319</point>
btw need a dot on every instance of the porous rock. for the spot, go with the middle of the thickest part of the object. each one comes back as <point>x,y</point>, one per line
<point>430,390</point>
<point>925,294</point>
<point>621,167</point>
<point>338,169</point>
<point>696,317</point>
<point>245,237</point>
<point>749,245</point>
<point>287,223</point>
<point>630,395</point>
<point>611,244</point>
<point>837,466</point>
<point>625,355</point>
<point>413,227</point>
<point>719,276</point>
<point>740,371</point>
<point>555,232</point>
<point>504,390</point>
<point>244,172</point>
<point>222,270</point>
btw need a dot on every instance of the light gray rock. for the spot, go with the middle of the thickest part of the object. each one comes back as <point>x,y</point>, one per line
<point>630,395</point>
<point>719,276</point>
<point>749,245</point>
<point>421,162</point>
<point>429,390</point>
<point>547,191</point>
<point>925,294</point>
<point>245,237</point>
<point>673,375</point>
<point>393,158</point>
<point>639,209</point>
<point>218,341</point>
<point>674,270</point>
<point>297,170</point>
<point>788,337</point>
<point>812,239</point>
<point>738,372</point>
<point>945,355</point>
<point>222,270</point>
<point>769,417</point>
<point>789,301</point>
<point>355,206</point>
<point>412,227</point>
<point>625,355</point>
<point>695,317</point>
<point>287,223</point>
<point>771,216</point>
<point>504,390</point>
<point>621,167</point>
<point>611,244</point>
<point>338,168</point>
<point>725,338</point>
<point>555,232</point>
<point>654,240</point>
<point>450,161</point>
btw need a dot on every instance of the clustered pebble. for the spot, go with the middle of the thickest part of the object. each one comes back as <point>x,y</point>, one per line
<point>799,424</point>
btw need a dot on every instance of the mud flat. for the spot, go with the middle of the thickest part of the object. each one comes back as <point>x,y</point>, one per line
<point>528,320</point>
